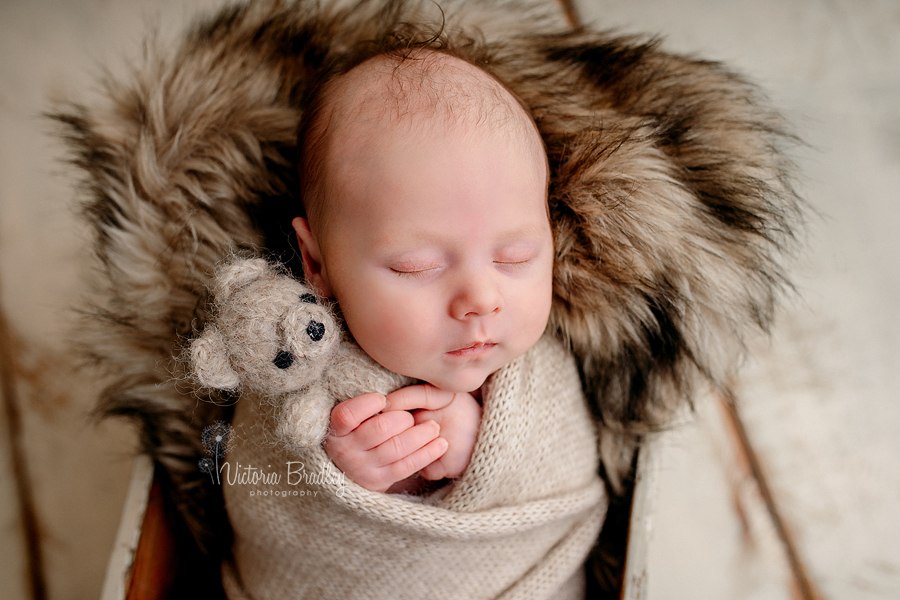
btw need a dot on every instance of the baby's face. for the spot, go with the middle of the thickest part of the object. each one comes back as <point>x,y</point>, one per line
<point>439,250</point>
<point>436,241</point>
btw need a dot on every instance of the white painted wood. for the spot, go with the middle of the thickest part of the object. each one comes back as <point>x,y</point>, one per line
<point>121,559</point>
<point>712,538</point>
<point>640,528</point>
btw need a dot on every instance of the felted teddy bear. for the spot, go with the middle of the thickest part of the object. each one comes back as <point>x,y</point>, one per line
<point>270,335</point>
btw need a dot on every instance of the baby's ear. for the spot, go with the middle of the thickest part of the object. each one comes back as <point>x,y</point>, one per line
<point>209,361</point>
<point>313,266</point>
<point>237,275</point>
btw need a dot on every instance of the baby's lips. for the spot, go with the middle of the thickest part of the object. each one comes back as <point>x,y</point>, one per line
<point>472,344</point>
<point>473,348</point>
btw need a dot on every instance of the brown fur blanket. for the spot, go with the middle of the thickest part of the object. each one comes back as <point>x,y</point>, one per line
<point>669,196</point>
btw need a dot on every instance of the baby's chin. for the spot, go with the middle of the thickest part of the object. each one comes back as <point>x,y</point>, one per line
<point>468,383</point>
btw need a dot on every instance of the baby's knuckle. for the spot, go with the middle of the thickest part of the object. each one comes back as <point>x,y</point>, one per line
<point>382,425</point>
<point>342,416</point>
<point>398,448</point>
<point>432,396</point>
<point>405,467</point>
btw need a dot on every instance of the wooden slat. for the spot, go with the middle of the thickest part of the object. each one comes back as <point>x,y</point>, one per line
<point>122,557</point>
<point>712,534</point>
<point>156,559</point>
<point>634,586</point>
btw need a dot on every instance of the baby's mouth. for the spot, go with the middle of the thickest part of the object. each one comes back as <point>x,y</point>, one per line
<point>473,349</point>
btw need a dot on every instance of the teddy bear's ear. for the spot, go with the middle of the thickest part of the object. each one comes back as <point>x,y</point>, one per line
<point>238,274</point>
<point>209,360</point>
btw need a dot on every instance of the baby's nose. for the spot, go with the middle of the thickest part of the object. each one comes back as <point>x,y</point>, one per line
<point>477,298</point>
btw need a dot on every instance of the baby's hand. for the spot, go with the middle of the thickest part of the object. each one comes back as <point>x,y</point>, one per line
<point>459,416</point>
<point>377,449</point>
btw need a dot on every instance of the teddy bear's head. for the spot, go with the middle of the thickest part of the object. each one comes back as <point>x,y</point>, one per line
<point>270,334</point>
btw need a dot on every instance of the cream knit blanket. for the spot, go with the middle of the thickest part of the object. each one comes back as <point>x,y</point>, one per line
<point>518,524</point>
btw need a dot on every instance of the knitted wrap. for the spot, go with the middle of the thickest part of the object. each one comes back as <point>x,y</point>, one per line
<point>669,202</point>
<point>519,523</point>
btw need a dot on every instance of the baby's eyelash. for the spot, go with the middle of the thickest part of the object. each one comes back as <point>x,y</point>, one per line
<point>513,263</point>
<point>414,274</point>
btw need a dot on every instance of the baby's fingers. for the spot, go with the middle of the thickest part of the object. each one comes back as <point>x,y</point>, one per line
<point>379,429</point>
<point>417,461</point>
<point>435,471</point>
<point>347,416</point>
<point>414,397</point>
<point>405,444</point>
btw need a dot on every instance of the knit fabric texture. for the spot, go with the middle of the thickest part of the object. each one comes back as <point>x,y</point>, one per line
<point>519,523</point>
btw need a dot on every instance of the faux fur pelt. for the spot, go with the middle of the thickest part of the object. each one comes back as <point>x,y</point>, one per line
<point>669,199</point>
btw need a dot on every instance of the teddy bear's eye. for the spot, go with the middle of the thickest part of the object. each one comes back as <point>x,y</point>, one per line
<point>283,360</point>
<point>308,298</point>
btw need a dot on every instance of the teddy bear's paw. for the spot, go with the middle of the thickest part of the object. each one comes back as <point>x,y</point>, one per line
<point>209,360</point>
<point>306,421</point>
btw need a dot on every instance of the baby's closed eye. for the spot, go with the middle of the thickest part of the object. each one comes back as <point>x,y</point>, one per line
<point>415,270</point>
<point>516,255</point>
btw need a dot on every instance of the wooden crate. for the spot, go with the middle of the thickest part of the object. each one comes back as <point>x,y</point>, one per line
<point>143,562</point>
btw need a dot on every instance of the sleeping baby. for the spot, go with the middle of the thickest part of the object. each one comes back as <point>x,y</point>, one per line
<point>424,188</point>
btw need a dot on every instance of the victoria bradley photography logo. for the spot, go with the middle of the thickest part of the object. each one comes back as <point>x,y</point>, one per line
<point>218,439</point>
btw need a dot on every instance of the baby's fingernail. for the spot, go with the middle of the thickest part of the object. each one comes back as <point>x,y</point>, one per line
<point>387,403</point>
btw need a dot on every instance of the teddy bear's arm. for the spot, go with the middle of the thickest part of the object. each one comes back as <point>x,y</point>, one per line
<point>306,416</point>
<point>209,359</point>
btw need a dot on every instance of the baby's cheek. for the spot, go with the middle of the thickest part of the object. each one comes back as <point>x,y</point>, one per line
<point>534,314</point>
<point>386,333</point>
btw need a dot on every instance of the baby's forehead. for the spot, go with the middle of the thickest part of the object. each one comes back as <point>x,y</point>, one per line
<point>423,99</point>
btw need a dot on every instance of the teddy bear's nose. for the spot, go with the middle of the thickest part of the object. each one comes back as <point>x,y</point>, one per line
<point>283,360</point>
<point>315,330</point>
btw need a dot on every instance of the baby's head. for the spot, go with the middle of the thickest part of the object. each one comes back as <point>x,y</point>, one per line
<point>425,189</point>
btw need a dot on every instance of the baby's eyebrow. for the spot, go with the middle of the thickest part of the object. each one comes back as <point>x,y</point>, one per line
<point>526,232</point>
